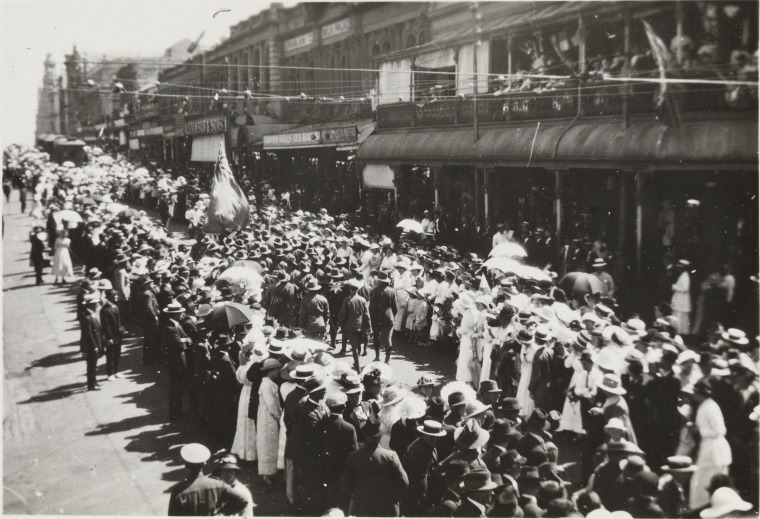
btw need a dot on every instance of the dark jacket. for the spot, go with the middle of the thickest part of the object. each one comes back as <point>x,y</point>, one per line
<point>91,339</point>
<point>373,483</point>
<point>644,507</point>
<point>110,323</point>
<point>175,341</point>
<point>205,496</point>
<point>314,314</point>
<point>418,462</point>
<point>354,314</point>
<point>540,379</point>
<point>146,308</point>
<point>402,435</point>
<point>382,306</point>
<point>338,442</point>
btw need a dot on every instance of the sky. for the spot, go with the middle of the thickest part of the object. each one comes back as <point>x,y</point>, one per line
<point>30,29</point>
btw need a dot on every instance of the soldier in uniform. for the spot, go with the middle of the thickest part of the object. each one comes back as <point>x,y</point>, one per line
<point>200,495</point>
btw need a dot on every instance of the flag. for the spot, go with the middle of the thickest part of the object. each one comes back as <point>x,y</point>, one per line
<point>484,284</point>
<point>661,55</point>
<point>228,206</point>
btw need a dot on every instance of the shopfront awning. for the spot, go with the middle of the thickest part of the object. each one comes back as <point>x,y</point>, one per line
<point>726,144</point>
<point>206,148</point>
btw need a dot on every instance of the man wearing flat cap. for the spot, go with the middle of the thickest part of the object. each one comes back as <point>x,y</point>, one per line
<point>200,495</point>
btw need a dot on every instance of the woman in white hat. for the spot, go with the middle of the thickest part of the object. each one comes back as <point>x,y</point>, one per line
<point>615,406</point>
<point>390,412</point>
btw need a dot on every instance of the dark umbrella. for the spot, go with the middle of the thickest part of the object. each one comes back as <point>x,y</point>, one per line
<point>581,283</point>
<point>228,315</point>
<point>249,264</point>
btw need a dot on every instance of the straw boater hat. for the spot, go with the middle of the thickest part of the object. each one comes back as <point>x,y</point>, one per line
<point>735,336</point>
<point>431,428</point>
<point>174,308</point>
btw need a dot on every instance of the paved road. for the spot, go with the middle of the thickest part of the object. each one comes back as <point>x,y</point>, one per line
<point>69,451</point>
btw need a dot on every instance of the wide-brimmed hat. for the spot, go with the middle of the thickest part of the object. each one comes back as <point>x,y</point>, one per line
<point>425,380</point>
<point>392,395</point>
<point>471,435</point>
<point>611,384</point>
<point>382,277</point>
<point>735,336</point>
<point>489,386</point>
<point>502,430</point>
<point>303,371</point>
<point>622,447</point>
<point>229,462</point>
<point>431,428</point>
<point>679,464</point>
<point>312,285</point>
<point>724,501</point>
<point>477,481</point>
<point>270,364</point>
<point>142,281</point>
<point>475,408</point>
<point>351,384</point>
<point>314,383</point>
<point>599,262</point>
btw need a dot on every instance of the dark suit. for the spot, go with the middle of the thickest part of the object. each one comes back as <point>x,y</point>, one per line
<point>506,368</point>
<point>470,508</point>
<point>283,304</point>
<point>175,342</point>
<point>664,419</point>
<point>308,423</point>
<point>37,257</point>
<point>418,462</point>
<point>338,442</point>
<point>540,379</point>
<point>91,344</point>
<point>528,442</point>
<point>110,321</point>
<point>207,496</point>
<point>146,308</point>
<point>637,406</point>
<point>402,435</point>
<point>373,483</point>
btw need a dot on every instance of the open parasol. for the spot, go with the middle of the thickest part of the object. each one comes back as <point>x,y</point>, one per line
<point>71,217</point>
<point>245,275</point>
<point>411,226</point>
<point>508,250</point>
<point>580,283</point>
<point>249,264</point>
<point>310,344</point>
<point>506,265</point>
<point>228,315</point>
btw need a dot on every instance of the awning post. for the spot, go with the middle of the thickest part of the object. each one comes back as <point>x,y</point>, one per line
<point>486,178</point>
<point>639,225</point>
<point>435,188</point>
<point>558,204</point>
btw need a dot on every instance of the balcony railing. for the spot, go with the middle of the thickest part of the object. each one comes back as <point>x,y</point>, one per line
<point>584,99</point>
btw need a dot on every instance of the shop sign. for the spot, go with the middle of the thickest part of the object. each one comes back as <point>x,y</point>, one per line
<point>336,28</point>
<point>298,42</point>
<point>119,123</point>
<point>100,126</point>
<point>340,135</point>
<point>156,130</point>
<point>206,126</point>
<point>309,138</point>
<point>140,132</point>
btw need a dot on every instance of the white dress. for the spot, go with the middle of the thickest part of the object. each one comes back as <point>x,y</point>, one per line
<point>244,445</point>
<point>268,427</point>
<point>714,455</point>
<point>526,370</point>
<point>681,303</point>
<point>465,332</point>
<point>582,384</point>
<point>62,265</point>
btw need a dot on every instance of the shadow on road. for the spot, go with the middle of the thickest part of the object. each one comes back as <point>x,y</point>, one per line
<point>57,359</point>
<point>56,394</point>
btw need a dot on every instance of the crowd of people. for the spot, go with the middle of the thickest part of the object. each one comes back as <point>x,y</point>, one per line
<point>253,329</point>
